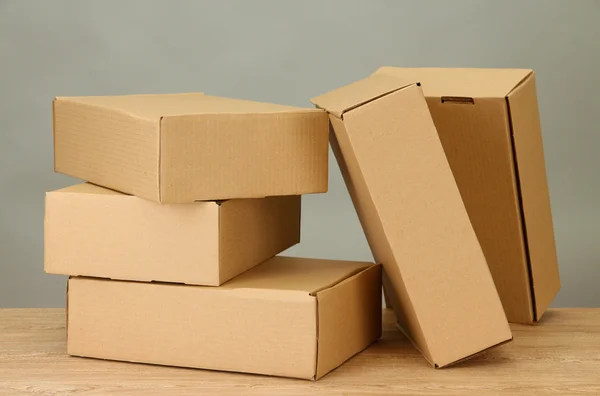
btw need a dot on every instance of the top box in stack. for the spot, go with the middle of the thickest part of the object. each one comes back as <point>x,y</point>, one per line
<point>191,147</point>
<point>239,167</point>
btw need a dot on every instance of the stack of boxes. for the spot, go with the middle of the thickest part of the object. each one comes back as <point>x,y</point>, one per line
<point>445,168</point>
<point>191,278</point>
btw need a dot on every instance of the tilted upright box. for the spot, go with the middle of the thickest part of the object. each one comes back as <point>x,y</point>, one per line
<point>489,124</point>
<point>414,219</point>
<point>182,148</point>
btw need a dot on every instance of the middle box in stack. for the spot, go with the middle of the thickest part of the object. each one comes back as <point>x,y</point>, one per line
<point>226,177</point>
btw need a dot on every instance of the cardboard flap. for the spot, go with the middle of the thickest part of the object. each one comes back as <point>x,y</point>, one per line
<point>457,83</point>
<point>295,273</point>
<point>148,106</point>
<point>349,318</point>
<point>346,98</point>
<point>535,202</point>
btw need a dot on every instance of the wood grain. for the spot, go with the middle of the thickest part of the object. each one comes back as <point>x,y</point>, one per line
<point>559,356</point>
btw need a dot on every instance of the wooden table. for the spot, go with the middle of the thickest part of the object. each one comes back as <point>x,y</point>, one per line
<point>560,356</point>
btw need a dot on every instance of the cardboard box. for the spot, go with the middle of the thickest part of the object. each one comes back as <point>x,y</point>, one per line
<point>93,231</point>
<point>289,317</point>
<point>489,125</point>
<point>414,219</point>
<point>191,147</point>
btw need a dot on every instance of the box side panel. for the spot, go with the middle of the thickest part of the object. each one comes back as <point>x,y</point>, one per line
<point>535,197</point>
<point>226,156</point>
<point>249,331</point>
<point>349,318</point>
<point>376,235</point>
<point>254,230</point>
<point>427,226</point>
<point>124,237</point>
<point>106,147</point>
<point>477,142</point>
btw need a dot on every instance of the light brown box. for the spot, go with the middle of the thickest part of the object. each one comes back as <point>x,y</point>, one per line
<point>290,317</point>
<point>191,147</point>
<point>93,231</point>
<point>489,125</point>
<point>414,219</point>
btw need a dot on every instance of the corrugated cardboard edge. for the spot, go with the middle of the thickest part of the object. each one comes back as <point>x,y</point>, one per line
<point>348,318</point>
<point>452,363</point>
<point>534,202</point>
<point>472,355</point>
<point>344,99</point>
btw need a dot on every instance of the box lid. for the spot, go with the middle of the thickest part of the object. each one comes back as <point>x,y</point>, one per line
<point>456,82</point>
<point>414,219</point>
<point>155,107</point>
<point>282,273</point>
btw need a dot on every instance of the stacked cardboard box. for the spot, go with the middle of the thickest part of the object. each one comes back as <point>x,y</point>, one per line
<point>445,169</point>
<point>191,278</point>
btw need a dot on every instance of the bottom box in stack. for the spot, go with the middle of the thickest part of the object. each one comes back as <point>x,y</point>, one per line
<point>290,317</point>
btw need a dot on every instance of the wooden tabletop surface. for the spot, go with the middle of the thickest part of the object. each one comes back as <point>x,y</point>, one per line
<point>559,356</point>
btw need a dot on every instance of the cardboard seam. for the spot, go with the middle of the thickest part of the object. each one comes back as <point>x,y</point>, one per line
<point>300,215</point>
<point>316,368</point>
<point>350,278</point>
<point>345,279</point>
<point>360,104</point>
<point>220,242</point>
<point>473,354</point>
<point>436,365</point>
<point>425,353</point>
<point>521,209</point>
<point>519,84</point>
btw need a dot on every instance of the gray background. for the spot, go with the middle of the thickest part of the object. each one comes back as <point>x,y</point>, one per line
<point>287,52</point>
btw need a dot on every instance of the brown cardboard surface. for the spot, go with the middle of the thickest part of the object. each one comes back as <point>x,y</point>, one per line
<point>190,147</point>
<point>534,194</point>
<point>93,231</point>
<point>494,146</point>
<point>416,223</point>
<point>247,325</point>
<point>349,314</point>
<point>460,83</point>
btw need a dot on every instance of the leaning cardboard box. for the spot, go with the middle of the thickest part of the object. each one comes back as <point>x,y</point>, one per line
<point>190,147</point>
<point>489,124</point>
<point>288,317</point>
<point>414,219</point>
<point>93,231</point>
